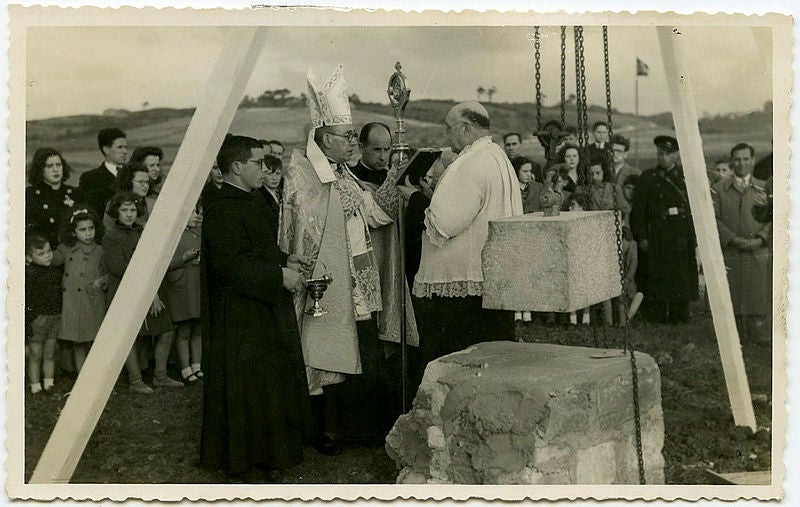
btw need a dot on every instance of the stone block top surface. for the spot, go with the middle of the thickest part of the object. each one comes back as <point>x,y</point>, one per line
<point>550,367</point>
<point>566,216</point>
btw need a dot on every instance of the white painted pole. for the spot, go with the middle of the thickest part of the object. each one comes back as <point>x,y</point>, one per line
<point>205,133</point>
<point>684,114</point>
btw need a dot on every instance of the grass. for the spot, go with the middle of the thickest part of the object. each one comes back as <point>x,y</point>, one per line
<point>155,439</point>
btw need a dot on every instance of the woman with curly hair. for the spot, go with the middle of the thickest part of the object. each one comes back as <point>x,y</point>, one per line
<point>151,157</point>
<point>48,199</point>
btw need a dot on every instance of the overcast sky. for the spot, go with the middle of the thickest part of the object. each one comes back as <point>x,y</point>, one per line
<point>75,70</point>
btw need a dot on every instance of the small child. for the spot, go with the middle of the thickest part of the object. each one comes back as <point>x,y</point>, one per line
<point>42,310</point>
<point>84,283</point>
<point>183,299</point>
<point>722,170</point>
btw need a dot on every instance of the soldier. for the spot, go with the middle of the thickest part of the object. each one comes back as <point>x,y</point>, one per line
<point>661,223</point>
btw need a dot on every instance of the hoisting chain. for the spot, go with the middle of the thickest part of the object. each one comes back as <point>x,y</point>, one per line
<point>608,83</point>
<point>563,77</point>
<point>628,345</point>
<point>579,117</point>
<point>584,105</point>
<point>538,67</point>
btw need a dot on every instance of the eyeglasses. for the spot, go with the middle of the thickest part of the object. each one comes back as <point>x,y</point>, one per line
<point>350,135</point>
<point>259,161</point>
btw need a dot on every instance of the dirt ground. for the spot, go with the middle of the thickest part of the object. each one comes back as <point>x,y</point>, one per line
<point>155,439</point>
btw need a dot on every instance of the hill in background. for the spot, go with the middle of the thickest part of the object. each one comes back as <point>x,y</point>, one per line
<point>75,136</point>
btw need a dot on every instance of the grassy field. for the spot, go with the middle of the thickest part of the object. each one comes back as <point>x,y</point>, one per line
<point>142,439</point>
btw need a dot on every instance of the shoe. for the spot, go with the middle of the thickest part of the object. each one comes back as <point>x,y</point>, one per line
<point>526,316</point>
<point>517,316</point>
<point>327,446</point>
<point>198,373</point>
<point>140,388</point>
<point>190,379</point>
<point>165,381</point>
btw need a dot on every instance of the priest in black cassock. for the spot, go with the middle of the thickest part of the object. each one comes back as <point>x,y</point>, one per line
<point>375,144</point>
<point>256,412</point>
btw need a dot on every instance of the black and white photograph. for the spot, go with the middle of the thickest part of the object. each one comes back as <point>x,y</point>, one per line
<point>317,253</point>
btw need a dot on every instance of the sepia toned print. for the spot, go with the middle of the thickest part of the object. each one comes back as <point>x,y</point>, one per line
<point>577,291</point>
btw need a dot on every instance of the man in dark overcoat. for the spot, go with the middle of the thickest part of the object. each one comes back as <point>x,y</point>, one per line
<point>661,223</point>
<point>256,412</point>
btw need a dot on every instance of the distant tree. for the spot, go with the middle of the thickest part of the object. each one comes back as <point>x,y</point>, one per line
<point>490,92</point>
<point>571,99</point>
<point>481,90</point>
<point>355,99</point>
<point>145,104</point>
<point>767,107</point>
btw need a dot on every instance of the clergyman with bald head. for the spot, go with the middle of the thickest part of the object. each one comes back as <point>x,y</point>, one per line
<point>478,186</point>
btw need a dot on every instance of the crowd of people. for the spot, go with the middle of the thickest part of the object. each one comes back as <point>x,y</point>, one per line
<point>276,378</point>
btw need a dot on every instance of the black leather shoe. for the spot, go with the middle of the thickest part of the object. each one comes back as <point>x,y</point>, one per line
<point>327,446</point>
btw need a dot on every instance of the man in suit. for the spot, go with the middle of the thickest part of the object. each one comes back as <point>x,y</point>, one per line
<point>600,146</point>
<point>620,169</point>
<point>256,413</point>
<point>375,144</point>
<point>98,185</point>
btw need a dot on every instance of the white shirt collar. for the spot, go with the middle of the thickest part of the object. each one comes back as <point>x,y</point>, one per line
<point>745,178</point>
<point>237,186</point>
<point>112,168</point>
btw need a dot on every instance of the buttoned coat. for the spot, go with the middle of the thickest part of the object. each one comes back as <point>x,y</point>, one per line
<point>749,272</point>
<point>46,208</point>
<point>661,215</point>
<point>84,305</point>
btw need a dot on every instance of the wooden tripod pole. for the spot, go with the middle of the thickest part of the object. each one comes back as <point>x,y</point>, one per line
<point>181,190</point>
<point>687,130</point>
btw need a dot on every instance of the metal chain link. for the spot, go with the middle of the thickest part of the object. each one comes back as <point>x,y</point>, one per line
<point>579,122</point>
<point>563,77</point>
<point>608,83</point>
<point>584,105</point>
<point>628,345</point>
<point>538,67</point>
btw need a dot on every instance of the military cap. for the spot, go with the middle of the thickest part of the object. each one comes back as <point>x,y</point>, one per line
<point>666,143</point>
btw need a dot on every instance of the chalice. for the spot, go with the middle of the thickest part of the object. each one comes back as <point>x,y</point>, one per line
<point>316,287</point>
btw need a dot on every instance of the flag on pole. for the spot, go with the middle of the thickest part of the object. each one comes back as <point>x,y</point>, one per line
<point>641,68</point>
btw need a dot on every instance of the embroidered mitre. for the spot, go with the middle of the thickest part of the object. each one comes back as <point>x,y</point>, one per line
<point>329,103</point>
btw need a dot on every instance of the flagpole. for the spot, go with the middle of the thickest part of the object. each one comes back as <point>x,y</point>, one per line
<point>636,152</point>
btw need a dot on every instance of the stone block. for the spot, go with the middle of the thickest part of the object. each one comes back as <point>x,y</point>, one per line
<point>529,413</point>
<point>551,264</point>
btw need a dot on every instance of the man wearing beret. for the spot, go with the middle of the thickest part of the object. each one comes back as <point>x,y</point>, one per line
<point>661,223</point>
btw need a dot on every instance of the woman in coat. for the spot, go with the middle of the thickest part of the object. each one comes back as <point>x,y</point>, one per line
<point>48,200</point>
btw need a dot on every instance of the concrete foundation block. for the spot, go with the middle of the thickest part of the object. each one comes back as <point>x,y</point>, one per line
<point>528,413</point>
<point>551,264</point>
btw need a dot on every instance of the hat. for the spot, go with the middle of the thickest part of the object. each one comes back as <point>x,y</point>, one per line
<point>666,143</point>
<point>329,103</point>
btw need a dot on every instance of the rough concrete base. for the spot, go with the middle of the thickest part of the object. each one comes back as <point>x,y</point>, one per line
<point>524,413</point>
<point>551,264</point>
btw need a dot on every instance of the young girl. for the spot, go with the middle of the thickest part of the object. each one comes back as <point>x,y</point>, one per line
<point>84,283</point>
<point>598,187</point>
<point>119,244</point>
<point>183,299</point>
